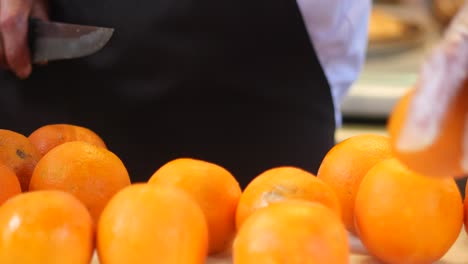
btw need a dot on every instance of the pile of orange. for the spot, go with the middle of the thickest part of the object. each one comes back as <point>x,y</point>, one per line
<point>65,195</point>
<point>54,185</point>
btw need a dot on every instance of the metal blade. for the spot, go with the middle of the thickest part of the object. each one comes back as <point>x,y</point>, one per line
<point>55,41</point>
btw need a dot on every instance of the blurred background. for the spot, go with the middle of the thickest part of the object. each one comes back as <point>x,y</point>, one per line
<point>401,33</point>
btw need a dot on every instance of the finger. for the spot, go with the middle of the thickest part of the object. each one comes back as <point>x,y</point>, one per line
<point>14,27</point>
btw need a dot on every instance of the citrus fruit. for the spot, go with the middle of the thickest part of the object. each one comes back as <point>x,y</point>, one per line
<point>280,183</point>
<point>49,136</point>
<point>344,166</point>
<point>292,231</point>
<point>50,227</point>
<point>443,157</point>
<point>9,184</point>
<point>18,153</point>
<point>91,173</point>
<point>213,187</point>
<point>406,217</point>
<point>152,224</point>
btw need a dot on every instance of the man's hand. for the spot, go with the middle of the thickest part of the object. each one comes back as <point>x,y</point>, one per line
<point>440,79</point>
<point>14,50</point>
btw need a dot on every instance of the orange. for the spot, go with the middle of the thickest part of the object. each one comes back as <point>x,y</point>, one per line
<point>152,224</point>
<point>344,166</point>
<point>49,136</point>
<point>213,187</point>
<point>293,232</point>
<point>91,173</point>
<point>45,227</point>
<point>406,217</point>
<point>9,184</point>
<point>444,156</point>
<point>18,153</point>
<point>282,183</point>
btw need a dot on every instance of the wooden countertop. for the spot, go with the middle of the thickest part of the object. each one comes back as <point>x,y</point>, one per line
<point>458,254</point>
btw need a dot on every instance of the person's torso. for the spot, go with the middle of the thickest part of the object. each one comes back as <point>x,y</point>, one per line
<point>208,78</point>
<point>166,44</point>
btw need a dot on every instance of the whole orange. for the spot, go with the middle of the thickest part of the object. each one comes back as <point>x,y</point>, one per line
<point>280,183</point>
<point>443,158</point>
<point>344,166</point>
<point>45,227</point>
<point>18,153</point>
<point>9,184</point>
<point>406,217</point>
<point>213,187</point>
<point>152,224</point>
<point>49,136</point>
<point>91,173</point>
<point>293,232</point>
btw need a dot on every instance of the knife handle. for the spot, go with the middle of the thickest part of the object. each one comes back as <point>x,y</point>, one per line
<point>31,36</point>
<point>30,39</point>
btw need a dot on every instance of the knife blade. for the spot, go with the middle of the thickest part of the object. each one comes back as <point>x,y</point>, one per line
<point>49,41</point>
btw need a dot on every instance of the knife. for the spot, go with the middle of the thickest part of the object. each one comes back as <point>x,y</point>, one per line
<point>49,41</point>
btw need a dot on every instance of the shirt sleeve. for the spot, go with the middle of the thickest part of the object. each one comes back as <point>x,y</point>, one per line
<point>338,30</point>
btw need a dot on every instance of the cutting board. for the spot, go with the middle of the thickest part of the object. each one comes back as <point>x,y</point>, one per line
<point>458,254</point>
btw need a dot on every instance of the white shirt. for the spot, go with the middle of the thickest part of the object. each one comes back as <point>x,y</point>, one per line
<point>338,29</point>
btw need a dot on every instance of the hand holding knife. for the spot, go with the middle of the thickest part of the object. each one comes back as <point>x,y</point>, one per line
<point>24,40</point>
<point>14,14</point>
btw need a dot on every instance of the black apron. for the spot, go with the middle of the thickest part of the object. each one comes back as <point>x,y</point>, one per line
<point>237,83</point>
